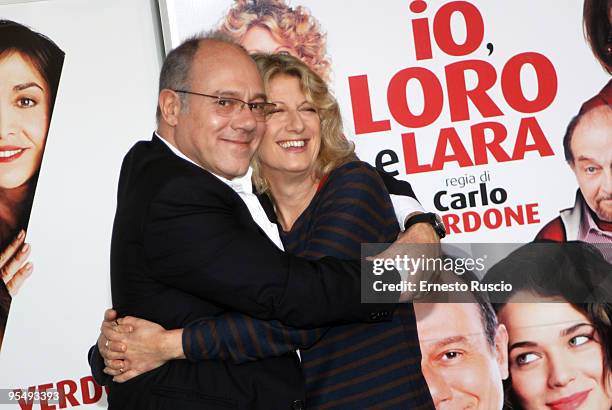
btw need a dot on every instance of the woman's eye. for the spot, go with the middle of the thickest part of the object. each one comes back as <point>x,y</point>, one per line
<point>591,170</point>
<point>526,358</point>
<point>579,340</point>
<point>26,102</point>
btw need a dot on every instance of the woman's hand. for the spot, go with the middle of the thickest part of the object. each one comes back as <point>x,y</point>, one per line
<point>13,268</point>
<point>131,346</point>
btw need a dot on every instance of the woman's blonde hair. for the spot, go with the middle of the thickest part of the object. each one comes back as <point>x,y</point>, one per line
<point>335,149</point>
<point>293,27</point>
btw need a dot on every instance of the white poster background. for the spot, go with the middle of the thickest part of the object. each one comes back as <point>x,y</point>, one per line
<point>106,101</point>
<point>376,39</point>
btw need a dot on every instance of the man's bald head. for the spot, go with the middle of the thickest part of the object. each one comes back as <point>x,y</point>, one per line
<point>177,67</point>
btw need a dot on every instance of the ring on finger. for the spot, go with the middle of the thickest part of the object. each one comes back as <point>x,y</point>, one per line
<point>121,369</point>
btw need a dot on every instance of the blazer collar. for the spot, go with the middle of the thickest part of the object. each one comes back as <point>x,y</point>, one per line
<point>240,184</point>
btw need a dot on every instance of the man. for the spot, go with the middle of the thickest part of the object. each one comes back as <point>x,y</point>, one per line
<point>464,354</point>
<point>588,150</point>
<point>185,244</point>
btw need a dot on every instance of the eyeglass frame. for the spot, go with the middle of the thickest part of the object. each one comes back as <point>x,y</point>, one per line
<point>267,105</point>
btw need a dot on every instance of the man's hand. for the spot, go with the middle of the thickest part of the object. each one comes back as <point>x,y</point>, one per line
<point>418,233</point>
<point>419,242</point>
<point>131,346</point>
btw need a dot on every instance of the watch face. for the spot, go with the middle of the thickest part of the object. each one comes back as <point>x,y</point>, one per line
<point>439,226</point>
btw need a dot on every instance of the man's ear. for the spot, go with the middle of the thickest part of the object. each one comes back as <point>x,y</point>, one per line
<point>501,350</point>
<point>169,106</point>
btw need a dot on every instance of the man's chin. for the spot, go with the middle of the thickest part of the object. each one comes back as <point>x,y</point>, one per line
<point>604,214</point>
<point>235,172</point>
<point>605,217</point>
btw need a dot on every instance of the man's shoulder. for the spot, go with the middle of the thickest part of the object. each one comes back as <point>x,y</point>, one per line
<point>552,231</point>
<point>153,166</point>
<point>153,154</point>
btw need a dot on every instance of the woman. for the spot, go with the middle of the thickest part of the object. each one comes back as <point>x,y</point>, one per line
<point>328,203</point>
<point>270,26</point>
<point>30,67</point>
<point>558,318</point>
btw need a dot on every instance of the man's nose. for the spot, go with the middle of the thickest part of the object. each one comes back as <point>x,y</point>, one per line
<point>244,119</point>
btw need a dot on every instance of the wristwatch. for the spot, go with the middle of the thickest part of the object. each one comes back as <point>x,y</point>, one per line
<point>433,219</point>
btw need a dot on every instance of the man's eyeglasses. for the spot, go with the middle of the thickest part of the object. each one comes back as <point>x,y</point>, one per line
<point>229,106</point>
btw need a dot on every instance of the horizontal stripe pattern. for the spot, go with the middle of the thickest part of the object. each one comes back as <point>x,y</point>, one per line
<point>360,365</point>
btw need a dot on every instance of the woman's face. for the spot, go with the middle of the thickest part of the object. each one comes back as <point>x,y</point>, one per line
<point>293,130</point>
<point>556,360</point>
<point>259,40</point>
<point>24,120</point>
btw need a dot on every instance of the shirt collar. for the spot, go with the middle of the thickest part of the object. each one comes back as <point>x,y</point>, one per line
<point>239,184</point>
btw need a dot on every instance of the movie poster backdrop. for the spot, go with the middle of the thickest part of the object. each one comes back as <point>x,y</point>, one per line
<point>467,100</point>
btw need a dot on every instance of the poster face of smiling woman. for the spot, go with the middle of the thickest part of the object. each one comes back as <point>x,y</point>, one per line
<point>30,68</point>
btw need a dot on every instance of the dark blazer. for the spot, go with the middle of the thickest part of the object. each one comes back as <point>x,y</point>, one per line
<point>184,247</point>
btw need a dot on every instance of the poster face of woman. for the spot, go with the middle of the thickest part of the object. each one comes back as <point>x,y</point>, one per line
<point>260,40</point>
<point>24,119</point>
<point>30,68</point>
<point>555,357</point>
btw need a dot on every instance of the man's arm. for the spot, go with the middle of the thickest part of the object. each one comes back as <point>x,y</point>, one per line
<point>195,243</point>
<point>353,210</point>
<point>239,338</point>
<point>396,186</point>
<point>405,205</point>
